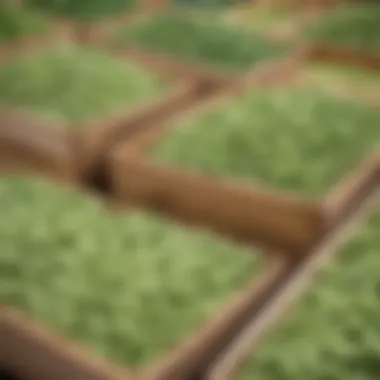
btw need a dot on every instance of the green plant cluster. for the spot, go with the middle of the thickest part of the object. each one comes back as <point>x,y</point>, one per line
<point>16,23</point>
<point>83,10</point>
<point>201,40</point>
<point>74,84</point>
<point>128,286</point>
<point>352,26</point>
<point>334,332</point>
<point>302,141</point>
<point>121,284</point>
<point>266,136</point>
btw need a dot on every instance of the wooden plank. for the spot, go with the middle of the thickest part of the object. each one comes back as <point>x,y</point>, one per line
<point>245,214</point>
<point>33,353</point>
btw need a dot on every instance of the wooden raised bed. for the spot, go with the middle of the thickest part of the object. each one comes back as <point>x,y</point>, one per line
<point>169,65</point>
<point>297,235</point>
<point>198,88</point>
<point>29,352</point>
<point>206,95</point>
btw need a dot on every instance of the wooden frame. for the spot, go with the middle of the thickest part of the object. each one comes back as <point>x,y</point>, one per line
<point>297,235</point>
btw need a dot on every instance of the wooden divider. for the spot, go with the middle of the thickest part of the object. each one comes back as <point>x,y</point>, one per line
<point>245,214</point>
<point>215,352</point>
<point>248,215</point>
<point>191,360</point>
<point>30,352</point>
<point>355,186</point>
<point>345,56</point>
<point>209,95</point>
<point>274,72</point>
<point>96,140</point>
<point>347,218</point>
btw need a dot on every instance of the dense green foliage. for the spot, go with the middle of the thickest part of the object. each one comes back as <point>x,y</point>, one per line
<point>74,83</point>
<point>16,23</point>
<point>304,130</point>
<point>306,142</point>
<point>84,10</point>
<point>129,286</point>
<point>354,26</point>
<point>201,40</point>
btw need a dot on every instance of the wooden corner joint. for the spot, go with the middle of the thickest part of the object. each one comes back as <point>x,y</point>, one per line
<point>253,216</point>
